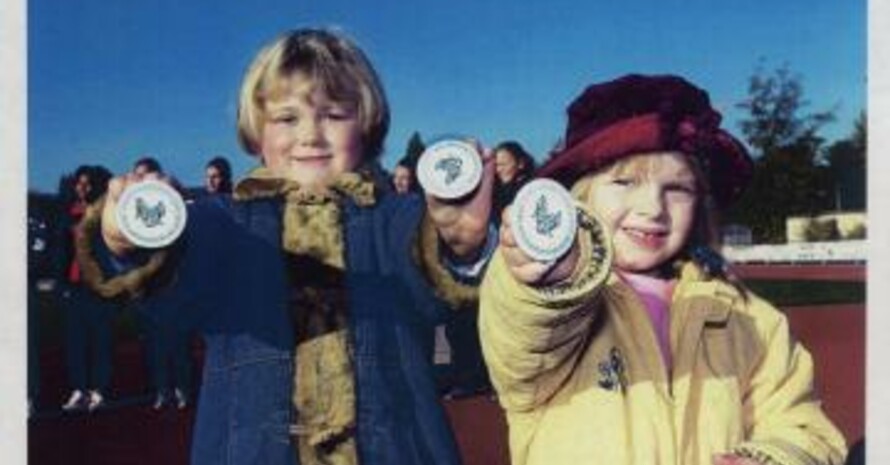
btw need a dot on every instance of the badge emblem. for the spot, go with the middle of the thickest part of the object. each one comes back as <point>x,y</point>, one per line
<point>151,214</point>
<point>612,373</point>
<point>449,169</point>
<point>544,220</point>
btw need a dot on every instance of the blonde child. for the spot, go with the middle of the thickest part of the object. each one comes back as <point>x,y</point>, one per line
<point>637,347</point>
<point>315,289</point>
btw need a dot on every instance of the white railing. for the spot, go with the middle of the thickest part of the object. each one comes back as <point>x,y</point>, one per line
<point>799,252</point>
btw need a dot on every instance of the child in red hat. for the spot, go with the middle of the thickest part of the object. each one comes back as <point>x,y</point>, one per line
<point>637,347</point>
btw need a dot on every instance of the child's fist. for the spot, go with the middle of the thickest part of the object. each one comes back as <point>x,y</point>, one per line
<point>463,223</point>
<point>528,270</point>
<point>112,233</point>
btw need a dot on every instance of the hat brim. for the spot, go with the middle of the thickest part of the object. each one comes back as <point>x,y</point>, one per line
<point>730,167</point>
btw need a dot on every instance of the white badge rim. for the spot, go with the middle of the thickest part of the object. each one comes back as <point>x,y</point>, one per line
<point>138,235</point>
<point>523,225</point>
<point>465,183</point>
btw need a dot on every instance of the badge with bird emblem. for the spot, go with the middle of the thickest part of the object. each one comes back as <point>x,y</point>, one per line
<point>151,214</point>
<point>544,220</point>
<point>449,168</point>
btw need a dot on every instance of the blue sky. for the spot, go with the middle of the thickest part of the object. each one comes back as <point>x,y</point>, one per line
<point>111,81</point>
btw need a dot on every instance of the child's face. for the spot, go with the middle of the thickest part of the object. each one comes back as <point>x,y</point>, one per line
<point>309,138</point>
<point>648,203</point>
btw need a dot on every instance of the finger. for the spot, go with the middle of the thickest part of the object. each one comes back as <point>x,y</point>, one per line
<point>516,258</point>
<point>485,152</point>
<point>488,153</point>
<point>506,219</point>
<point>116,186</point>
<point>488,167</point>
<point>530,273</point>
<point>506,236</point>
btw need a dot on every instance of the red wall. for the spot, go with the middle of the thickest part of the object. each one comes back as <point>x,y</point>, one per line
<point>835,336</point>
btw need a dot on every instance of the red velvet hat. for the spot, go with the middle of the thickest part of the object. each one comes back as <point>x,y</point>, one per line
<point>639,114</point>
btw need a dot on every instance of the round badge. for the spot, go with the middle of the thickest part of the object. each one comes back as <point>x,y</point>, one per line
<point>150,214</point>
<point>544,220</point>
<point>449,169</point>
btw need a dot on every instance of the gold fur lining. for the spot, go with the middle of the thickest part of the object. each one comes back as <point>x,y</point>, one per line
<point>262,182</point>
<point>324,372</point>
<point>324,396</point>
<point>454,293</point>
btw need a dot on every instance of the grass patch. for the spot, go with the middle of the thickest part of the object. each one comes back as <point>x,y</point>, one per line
<point>789,293</point>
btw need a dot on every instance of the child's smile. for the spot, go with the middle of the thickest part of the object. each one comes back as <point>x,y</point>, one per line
<point>650,239</point>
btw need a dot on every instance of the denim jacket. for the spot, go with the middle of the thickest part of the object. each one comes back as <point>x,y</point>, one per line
<point>231,283</point>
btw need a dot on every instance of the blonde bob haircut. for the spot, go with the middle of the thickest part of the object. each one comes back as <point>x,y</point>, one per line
<point>328,60</point>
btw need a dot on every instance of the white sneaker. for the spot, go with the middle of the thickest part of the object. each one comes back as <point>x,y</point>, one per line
<point>96,400</point>
<point>160,400</point>
<point>75,402</point>
<point>181,401</point>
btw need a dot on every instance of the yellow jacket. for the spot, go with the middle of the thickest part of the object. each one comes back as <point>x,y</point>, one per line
<point>579,373</point>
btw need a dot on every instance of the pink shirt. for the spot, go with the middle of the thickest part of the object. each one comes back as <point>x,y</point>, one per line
<point>656,295</point>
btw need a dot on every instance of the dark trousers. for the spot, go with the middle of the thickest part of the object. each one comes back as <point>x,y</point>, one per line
<point>168,355</point>
<point>87,338</point>
<point>469,374</point>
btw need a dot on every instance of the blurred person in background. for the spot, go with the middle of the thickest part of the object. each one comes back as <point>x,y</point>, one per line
<point>166,342</point>
<point>87,317</point>
<point>218,176</point>
<point>514,167</point>
<point>403,180</point>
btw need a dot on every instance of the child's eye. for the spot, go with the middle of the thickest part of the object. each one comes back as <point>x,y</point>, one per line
<point>284,118</point>
<point>623,181</point>
<point>682,188</point>
<point>338,113</point>
<point>681,191</point>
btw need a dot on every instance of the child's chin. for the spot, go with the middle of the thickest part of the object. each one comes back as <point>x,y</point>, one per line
<point>637,266</point>
<point>307,178</point>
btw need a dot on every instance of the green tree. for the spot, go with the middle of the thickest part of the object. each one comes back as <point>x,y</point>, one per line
<point>774,106</point>
<point>846,160</point>
<point>786,183</point>
<point>413,150</point>
<point>788,178</point>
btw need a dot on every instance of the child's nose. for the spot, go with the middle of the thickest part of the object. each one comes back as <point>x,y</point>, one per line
<point>308,131</point>
<point>648,202</point>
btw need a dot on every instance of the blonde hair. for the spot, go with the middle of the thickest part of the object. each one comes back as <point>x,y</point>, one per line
<point>327,59</point>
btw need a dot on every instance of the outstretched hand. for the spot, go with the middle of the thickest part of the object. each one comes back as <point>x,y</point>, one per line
<point>111,232</point>
<point>463,224</point>
<point>528,270</point>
